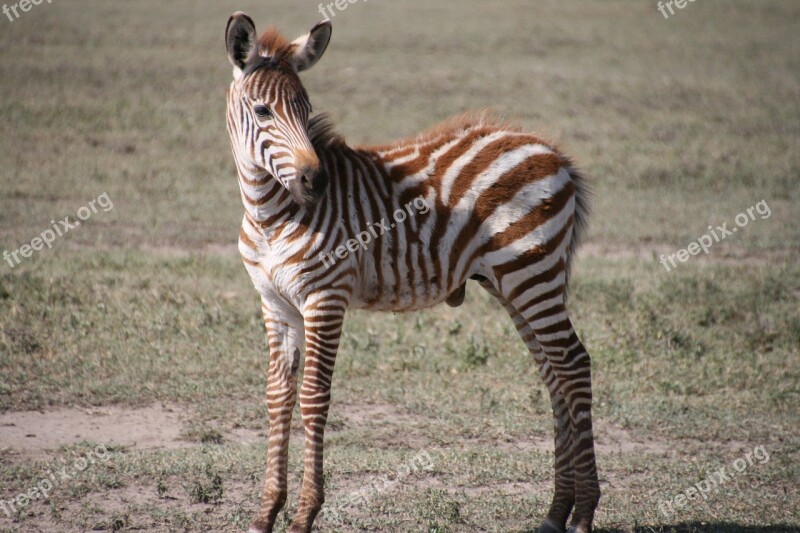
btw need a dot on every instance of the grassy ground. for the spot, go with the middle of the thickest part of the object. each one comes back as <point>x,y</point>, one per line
<point>683,123</point>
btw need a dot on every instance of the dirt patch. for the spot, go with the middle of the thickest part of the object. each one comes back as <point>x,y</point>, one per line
<point>36,433</point>
<point>607,439</point>
<point>613,439</point>
<point>509,488</point>
<point>382,420</point>
<point>374,414</point>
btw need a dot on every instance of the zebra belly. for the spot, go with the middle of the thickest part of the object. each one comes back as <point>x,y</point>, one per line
<point>400,289</point>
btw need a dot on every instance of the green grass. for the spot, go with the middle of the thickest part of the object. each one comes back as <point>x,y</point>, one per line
<point>682,123</point>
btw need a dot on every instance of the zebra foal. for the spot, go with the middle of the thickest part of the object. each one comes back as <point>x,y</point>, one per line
<point>493,204</point>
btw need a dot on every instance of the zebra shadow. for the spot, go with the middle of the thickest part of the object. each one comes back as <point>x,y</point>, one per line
<point>706,527</point>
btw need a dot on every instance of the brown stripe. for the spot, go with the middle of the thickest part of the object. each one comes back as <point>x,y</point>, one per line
<point>534,254</point>
<point>485,157</point>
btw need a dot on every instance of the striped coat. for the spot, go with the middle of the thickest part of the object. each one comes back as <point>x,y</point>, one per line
<point>328,227</point>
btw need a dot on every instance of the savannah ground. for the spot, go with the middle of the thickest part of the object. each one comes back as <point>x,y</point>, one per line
<point>139,333</point>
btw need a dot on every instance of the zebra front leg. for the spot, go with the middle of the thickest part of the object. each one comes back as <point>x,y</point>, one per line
<point>323,327</point>
<point>285,347</point>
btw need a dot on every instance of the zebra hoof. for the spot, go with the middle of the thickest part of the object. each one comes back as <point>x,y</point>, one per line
<point>549,527</point>
<point>573,529</point>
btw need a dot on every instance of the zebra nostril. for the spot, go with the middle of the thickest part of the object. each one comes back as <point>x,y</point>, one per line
<point>307,179</point>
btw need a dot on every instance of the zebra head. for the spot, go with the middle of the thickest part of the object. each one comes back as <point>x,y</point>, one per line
<point>268,107</point>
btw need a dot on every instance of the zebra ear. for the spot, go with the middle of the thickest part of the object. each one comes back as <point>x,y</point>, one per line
<point>310,47</point>
<point>241,42</point>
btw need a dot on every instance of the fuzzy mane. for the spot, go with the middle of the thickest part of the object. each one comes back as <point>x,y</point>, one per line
<point>322,133</point>
<point>273,44</point>
<point>484,118</point>
<point>469,120</point>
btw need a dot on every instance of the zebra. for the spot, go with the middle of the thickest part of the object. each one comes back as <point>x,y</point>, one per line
<point>491,203</point>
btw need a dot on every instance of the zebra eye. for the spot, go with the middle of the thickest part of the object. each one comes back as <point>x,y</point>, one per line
<point>262,112</point>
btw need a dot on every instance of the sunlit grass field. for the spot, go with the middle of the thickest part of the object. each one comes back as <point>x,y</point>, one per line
<point>681,123</point>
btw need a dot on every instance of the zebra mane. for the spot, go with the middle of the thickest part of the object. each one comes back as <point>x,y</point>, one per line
<point>322,133</point>
<point>484,118</point>
<point>272,43</point>
<point>470,120</point>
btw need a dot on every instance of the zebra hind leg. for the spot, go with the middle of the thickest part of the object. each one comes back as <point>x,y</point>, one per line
<point>571,367</point>
<point>564,493</point>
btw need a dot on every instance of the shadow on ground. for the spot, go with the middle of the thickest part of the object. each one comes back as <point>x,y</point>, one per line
<point>702,527</point>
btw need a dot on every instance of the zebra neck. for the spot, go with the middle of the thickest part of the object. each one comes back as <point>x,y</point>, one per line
<point>267,203</point>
